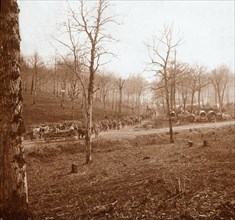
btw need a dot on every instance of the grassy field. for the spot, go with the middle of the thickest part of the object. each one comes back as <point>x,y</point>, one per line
<point>140,178</point>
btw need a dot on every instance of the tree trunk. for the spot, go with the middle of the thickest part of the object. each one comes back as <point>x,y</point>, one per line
<point>128,99</point>
<point>108,99</point>
<point>168,107</point>
<point>170,121</point>
<point>34,96</point>
<point>120,104</point>
<point>220,98</point>
<point>73,105</point>
<point>89,108</point>
<point>113,99</point>
<point>104,101</point>
<point>216,99</point>
<point>199,98</point>
<point>192,98</point>
<point>174,83</point>
<point>163,103</point>
<point>89,125</point>
<point>54,80</point>
<point>222,95</point>
<point>32,85</point>
<point>13,183</point>
<point>184,103</point>
<point>172,96</point>
<point>139,104</point>
<point>227,96</point>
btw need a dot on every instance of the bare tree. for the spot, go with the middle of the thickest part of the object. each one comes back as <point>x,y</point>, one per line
<point>178,72</point>
<point>230,93</point>
<point>55,79</point>
<point>73,91</point>
<point>173,83</point>
<point>13,183</point>
<point>37,74</point>
<point>159,94</point>
<point>129,90</point>
<point>104,83</point>
<point>120,83</point>
<point>185,89</point>
<point>219,79</point>
<point>135,86</point>
<point>159,63</point>
<point>25,73</point>
<point>202,80</point>
<point>88,38</point>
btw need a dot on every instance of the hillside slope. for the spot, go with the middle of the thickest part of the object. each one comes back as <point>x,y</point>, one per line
<point>48,109</point>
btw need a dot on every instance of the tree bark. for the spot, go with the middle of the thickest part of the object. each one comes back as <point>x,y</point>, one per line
<point>90,106</point>
<point>120,87</point>
<point>168,109</point>
<point>120,103</point>
<point>172,95</point>
<point>113,99</point>
<point>89,120</point>
<point>32,85</point>
<point>13,181</point>
<point>104,100</point>
<point>192,99</point>
<point>73,106</point>
<point>199,98</point>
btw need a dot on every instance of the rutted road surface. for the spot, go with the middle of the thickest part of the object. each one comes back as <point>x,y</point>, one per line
<point>132,132</point>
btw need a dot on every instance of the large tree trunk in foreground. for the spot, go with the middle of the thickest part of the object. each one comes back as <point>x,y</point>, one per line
<point>13,183</point>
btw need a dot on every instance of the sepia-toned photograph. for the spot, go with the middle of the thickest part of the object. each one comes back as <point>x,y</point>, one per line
<point>117,109</point>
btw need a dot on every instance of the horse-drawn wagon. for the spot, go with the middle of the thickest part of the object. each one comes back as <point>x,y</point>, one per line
<point>64,134</point>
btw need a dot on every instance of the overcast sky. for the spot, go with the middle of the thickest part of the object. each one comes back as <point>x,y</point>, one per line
<point>208,27</point>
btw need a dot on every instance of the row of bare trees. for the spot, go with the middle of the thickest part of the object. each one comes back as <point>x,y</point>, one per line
<point>179,83</point>
<point>188,84</point>
<point>111,91</point>
<point>161,56</point>
<point>195,86</point>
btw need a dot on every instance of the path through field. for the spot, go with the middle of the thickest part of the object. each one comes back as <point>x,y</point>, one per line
<point>132,132</point>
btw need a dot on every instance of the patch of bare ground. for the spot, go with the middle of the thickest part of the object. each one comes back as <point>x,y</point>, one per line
<point>139,178</point>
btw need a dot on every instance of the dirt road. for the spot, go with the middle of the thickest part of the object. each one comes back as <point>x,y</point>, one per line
<point>132,132</point>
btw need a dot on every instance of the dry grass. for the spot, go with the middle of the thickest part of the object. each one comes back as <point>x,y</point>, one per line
<point>137,178</point>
